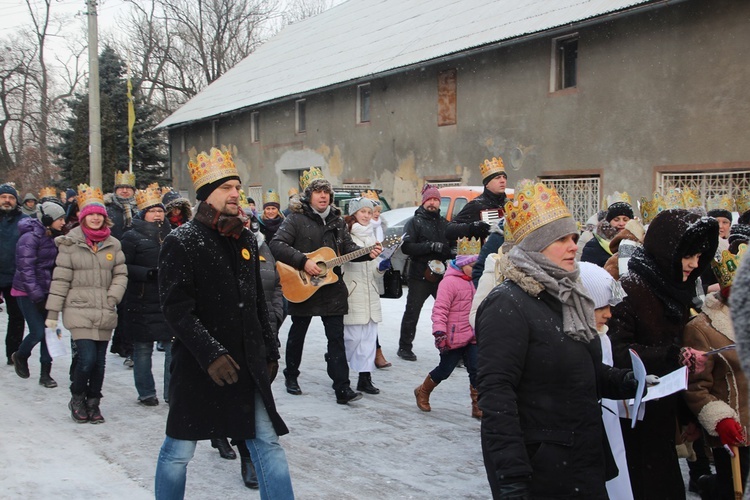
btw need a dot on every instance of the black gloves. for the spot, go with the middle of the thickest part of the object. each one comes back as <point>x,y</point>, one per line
<point>152,274</point>
<point>438,247</point>
<point>630,384</point>
<point>479,229</point>
<point>515,491</point>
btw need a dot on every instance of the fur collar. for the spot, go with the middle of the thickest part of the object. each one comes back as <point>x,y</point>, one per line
<point>511,272</point>
<point>718,312</point>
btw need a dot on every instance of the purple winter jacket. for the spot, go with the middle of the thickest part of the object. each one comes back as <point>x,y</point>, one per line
<point>35,258</point>
<point>450,314</point>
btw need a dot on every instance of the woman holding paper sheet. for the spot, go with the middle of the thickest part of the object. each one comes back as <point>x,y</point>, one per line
<point>661,289</point>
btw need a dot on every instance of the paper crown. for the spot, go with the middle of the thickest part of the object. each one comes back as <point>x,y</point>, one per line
<point>244,203</point>
<point>271,196</point>
<point>88,195</point>
<point>124,179</point>
<point>468,246</point>
<point>743,201</point>
<point>651,208</point>
<point>47,192</point>
<point>725,264</point>
<point>206,168</point>
<point>618,196</point>
<point>292,192</point>
<point>370,194</point>
<point>310,175</point>
<point>493,166</point>
<point>720,203</point>
<point>507,235</point>
<point>148,197</point>
<point>534,206</point>
<point>681,198</point>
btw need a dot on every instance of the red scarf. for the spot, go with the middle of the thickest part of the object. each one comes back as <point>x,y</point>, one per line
<point>94,236</point>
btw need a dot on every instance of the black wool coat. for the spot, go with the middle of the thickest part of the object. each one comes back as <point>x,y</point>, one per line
<point>143,317</point>
<point>303,231</point>
<point>460,225</point>
<point>419,233</point>
<point>212,298</point>
<point>539,392</point>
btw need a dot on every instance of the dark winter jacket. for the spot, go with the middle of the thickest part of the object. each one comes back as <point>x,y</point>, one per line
<point>116,213</point>
<point>35,259</point>
<point>595,253</point>
<point>302,232</point>
<point>539,392</point>
<point>271,285</point>
<point>419,233</point>
<point>8,238</point>
<point>213,301</point>
<point>651,322</point>
<point>460,225</point>
<point>143,315</point>
<point>494,241</point>
<point>269,226</point>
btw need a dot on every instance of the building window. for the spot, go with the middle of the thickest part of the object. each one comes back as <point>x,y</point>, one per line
<point>580,194</point>
<point>706,184</point>
<point>363,103</point>
<point>564,62</point>
<point>255,126</point>
<point>301,116</point>
<point>256,193</point>
<point>447,83</point>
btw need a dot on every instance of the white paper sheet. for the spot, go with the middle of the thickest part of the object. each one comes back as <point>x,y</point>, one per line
<point>639,370</point>
<point>55,345</point>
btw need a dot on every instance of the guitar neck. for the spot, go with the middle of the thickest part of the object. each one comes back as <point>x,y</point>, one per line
<point>350,256</point>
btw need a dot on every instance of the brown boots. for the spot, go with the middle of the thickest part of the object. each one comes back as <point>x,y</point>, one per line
<point>475,411</point>
<point>422,393</point>
<point>380,361</point>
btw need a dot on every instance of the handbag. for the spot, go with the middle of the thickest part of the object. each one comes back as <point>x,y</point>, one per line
<point>392,286</point>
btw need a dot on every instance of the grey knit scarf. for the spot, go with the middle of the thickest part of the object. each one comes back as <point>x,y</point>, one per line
<point>577,306</point>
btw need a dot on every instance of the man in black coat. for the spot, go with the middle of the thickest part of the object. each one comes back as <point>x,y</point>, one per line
<point>225,353</point>
<point>312,224</point>
<point>10,215</point>
<point>424,241</point>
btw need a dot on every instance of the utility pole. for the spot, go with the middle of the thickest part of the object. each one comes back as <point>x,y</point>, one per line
<point>95,125</point>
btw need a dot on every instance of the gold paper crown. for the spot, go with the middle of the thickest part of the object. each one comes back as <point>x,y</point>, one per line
<point>370,194</point>
<point>310,175</point>
<point>651,208</point>
<point>148,197</point>
<point>508,236</point>
<point>243,200</point>
<point>206,168</point>
<point>743,201</point>
<point>88,195</point>
<point>690,199</point>
<point>534,206</point>
<point>468,246</point>
<point>271,196</point>
<point>720,203</point>
<point>725,264</point>
<point>493,166</point>
<point>125,179</point>
<point>47,192</point>
<point>618,196</point>
<point>292,192</point>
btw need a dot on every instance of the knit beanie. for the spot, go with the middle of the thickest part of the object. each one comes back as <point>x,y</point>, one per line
<point>205,190</point>
<point>428,192</point>
<point>597,282</point>
<point>542,237</point>
<point>356,204</point>
<point>466,260</point>
<point>619,208</point>
<point>93,208</point>
<point>720,212</point>
<point>70,193</point>
<point>9,189</point>
<point>52,212</point>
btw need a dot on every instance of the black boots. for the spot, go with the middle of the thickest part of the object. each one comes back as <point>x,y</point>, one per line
<point>92,406</point>
<point>249,477</point>
<point>347,396</point>
<point>364,384</point>
<point>292,387</point>
<point>406,354</point>
<point>225,449</point>
<point>77,408</point>
<point>21,365</point>
<point>44,378</point>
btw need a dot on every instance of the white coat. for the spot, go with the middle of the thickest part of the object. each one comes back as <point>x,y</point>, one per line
<point>361,279</point>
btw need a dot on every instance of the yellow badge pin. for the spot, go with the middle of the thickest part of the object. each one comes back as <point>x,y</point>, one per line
<point>109,256</point>
<point>245,254</point>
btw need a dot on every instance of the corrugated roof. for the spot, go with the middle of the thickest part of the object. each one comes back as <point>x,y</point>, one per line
<point>361,38</point>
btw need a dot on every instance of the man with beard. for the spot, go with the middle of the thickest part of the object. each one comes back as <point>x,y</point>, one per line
<point>225,354</point>
<point>10,214</point>
<point>427,247</point>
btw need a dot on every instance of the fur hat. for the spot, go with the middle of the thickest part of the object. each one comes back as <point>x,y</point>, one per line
<point>428,192</point>
<point>318,185</point>
<point>617,209</point>
<point>356,204</point>
<point>739,233</point>
<point>720,212</point>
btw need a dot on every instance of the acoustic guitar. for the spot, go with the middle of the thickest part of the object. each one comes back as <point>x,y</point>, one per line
<point>298,286</point>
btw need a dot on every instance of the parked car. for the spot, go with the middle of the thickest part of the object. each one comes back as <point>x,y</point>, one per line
<point>395,220</point>
<point>342,195</point>
<point>454,198</point>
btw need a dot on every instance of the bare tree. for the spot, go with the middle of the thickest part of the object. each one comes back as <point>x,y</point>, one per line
<point>297,10</point>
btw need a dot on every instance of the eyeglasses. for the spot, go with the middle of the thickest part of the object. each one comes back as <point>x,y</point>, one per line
<point>155,211</point>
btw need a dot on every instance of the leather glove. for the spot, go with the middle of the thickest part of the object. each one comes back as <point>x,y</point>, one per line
<point>479,228</point>
<point>384,265</point>
<point>630,384</point>
<point>694,359</point>
<point>514,491</point>
<point>152,274</point>
<point>112,302</point>
<point>224,370</point>
<point>730,432</point>
<point>441,341</point>
<point>51,324</point>
<point>273,369</point>
<point>438,247</point>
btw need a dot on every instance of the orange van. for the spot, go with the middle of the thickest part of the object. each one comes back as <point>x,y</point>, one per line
<point>453,198</point>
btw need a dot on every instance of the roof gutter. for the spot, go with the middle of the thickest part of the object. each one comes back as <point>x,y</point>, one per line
<point>640,9</point>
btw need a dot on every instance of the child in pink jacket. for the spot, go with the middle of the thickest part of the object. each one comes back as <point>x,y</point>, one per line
<point>454,336</point>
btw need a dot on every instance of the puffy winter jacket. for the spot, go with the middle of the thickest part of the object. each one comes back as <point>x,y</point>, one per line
<point>361,280</point>
<point>35,259</point>
<point>450,314</point>
<point>8,238</point>
<point>419,233</point>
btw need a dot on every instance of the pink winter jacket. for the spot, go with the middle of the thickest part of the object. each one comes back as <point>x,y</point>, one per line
<point>450,314</point>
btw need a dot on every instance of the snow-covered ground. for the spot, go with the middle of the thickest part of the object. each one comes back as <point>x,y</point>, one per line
<point>381,447</point>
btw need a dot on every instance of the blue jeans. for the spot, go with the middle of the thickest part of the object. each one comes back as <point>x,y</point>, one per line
<point>267,455</point>
<point>35,319</point>
<point>449,360</point>
<point>144,378</point>
<point>88,374</point>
